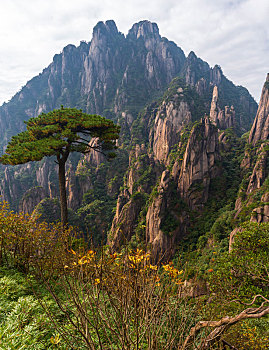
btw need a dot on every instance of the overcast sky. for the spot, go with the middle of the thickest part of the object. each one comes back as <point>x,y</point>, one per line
<point>231,33</point>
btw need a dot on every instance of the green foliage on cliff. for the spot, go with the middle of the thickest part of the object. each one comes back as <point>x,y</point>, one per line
<point>244,271</point>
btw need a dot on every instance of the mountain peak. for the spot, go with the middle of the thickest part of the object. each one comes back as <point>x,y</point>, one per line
<point>144,29</point>
<point>105,28</point>
<point>192,56</point>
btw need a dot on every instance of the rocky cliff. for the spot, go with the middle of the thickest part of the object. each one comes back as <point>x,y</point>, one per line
<point>199,164</point>
<point>169,153</point>
<point>252,202</point>
<point>223,119</point>
<point>260,127</point>
<point>112,72</point>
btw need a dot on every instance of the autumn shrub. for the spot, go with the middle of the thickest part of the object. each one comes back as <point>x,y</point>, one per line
<point>121,301</point>
<point>93,299</point>
<point>25,243</point>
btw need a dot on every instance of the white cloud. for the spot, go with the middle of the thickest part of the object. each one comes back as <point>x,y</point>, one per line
<point>233,34</point>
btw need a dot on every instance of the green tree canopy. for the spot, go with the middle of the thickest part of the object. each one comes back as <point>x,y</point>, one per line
<point>58,133</point>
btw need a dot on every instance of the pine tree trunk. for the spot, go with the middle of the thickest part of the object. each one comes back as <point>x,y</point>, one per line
<point>63,199</point>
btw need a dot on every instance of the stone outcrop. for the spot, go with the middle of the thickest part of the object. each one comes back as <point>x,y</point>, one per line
<point>167,223</point>
<point>170,120</point>
<point>164,225</point>
<point>223,119</point>
<point>26,185</point>
<point>256,157</point>
<point>117,76</point>
<point>232,236</point>
<point>261,214</point>
<point>48,209</point>
<point>260,171</point>
<point>203,79</point>
<point>141,176</point>
<point>31,199</point>
<point>256,160</point>
<point>199,165</point>
<point>196,72</point>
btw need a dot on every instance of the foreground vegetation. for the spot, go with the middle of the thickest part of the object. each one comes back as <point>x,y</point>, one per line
<point>56,292</point>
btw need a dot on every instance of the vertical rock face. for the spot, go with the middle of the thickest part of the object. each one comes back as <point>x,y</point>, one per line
<point>223,119</point>
<point>214,106</point>
<point>259,134</point>
<point>31,199</point>
<point>101,64</point>
<point>260,127</point>
<point>167,223</point>
<point>169,121</point>
<point>260,171</point>
<point>256,160</point>
<point>117,76</point>
<point>199,164</point>
<point>162,244</point>
<point>98,75</point>
<point>141,176</point>
<point>162,57</point>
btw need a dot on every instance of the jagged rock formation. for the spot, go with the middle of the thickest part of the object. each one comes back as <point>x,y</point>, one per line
<point>99,75</point>
<point>203,79</point>
<point>162,243</point>
<point>16,185</point>
<point>261,214</point>
<point>260,171</point>
<point>223,119</point>
<point>31,199</point>
<point>118,76</point>
<point>255,162</point>
<point>167,222</point>
<point>169,121</point>
<point>199,164</point>
<point>259,135</point>
<point>141,176</point>
<point>260,127</point>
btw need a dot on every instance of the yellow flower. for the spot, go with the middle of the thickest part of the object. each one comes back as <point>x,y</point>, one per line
<point>56,339</point>
<point>97,281</point>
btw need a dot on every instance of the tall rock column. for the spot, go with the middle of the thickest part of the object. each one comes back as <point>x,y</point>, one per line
<point>199,164</point>
<point>223,119</point>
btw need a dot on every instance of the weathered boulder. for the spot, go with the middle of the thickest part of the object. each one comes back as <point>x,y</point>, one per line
<point>261,214</point>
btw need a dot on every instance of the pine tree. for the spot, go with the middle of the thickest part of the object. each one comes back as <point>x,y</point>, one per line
<point>58,133</point>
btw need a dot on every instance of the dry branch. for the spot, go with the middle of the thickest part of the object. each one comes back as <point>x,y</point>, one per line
<point>223,324</point>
